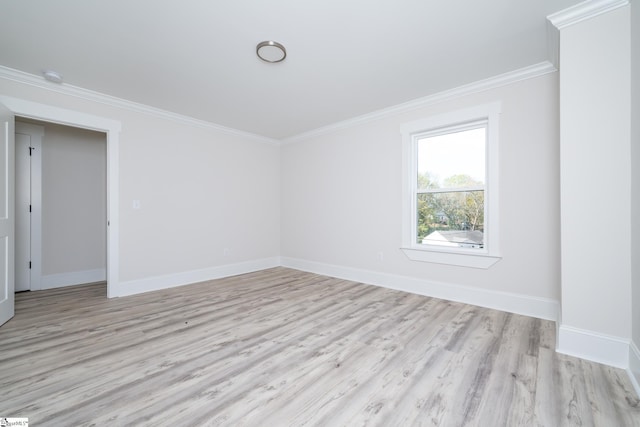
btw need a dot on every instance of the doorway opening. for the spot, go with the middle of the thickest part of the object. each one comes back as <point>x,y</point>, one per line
<point>111,128</point>
<point>60,205</point>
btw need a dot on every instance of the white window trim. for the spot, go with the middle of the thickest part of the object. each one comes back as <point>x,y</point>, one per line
<point>475,258</point>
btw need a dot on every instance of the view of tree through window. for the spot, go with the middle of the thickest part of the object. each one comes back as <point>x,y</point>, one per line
<point>451,188</point>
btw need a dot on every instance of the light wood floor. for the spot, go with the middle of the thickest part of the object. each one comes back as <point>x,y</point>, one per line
<point>282,347</point>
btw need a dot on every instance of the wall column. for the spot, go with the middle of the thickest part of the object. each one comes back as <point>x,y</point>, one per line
<point>595,195</point>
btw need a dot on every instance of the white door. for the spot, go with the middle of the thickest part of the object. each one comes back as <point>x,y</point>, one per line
<point>23,211</point>
<point>7,159</point>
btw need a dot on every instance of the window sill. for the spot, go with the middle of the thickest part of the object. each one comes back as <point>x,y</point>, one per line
<point>471,260</point>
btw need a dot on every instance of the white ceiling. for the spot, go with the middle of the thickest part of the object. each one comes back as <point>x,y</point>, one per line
<point>345,57</point>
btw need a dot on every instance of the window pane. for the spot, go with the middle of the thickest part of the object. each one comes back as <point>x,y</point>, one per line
<point>451,219</point>
<point>453,160</point>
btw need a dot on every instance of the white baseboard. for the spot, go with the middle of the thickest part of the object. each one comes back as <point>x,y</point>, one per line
<point>59,280</point>
<point>634,367</point>
<point>589,345</point>
<point>185,278</point>
<point>541,308</point>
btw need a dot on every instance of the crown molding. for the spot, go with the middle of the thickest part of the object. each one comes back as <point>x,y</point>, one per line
<point>532,71</point>
<point>112,101</point>
<point>583,11</point>
<point>525,73</point>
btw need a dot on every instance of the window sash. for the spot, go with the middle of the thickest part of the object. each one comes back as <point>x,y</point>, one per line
<point>453,128</point>
<point>462,214</point>
<point>446,130</point>
<point>450,190</point>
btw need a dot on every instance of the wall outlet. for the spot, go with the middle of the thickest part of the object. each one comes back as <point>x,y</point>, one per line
<point>137,204</point>
<point>380,256</point>
<point>226,251</point>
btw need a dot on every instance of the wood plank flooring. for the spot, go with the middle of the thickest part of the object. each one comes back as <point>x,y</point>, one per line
<point>287,348</point>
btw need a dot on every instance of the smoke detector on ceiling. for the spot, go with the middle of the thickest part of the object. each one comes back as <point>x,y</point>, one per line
<point>52,76</point>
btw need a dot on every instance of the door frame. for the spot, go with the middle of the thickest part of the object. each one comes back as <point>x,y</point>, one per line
<point>112,128</point>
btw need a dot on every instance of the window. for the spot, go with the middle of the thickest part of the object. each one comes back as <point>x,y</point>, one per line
<point>450,188</point>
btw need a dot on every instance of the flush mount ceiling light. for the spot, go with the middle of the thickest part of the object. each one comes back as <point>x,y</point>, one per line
<point>270,51</point>
<point>52,76</point>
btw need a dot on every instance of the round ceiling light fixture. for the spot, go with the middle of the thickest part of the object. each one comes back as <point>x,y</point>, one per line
<point>52,76</point>
<point>270,51</point>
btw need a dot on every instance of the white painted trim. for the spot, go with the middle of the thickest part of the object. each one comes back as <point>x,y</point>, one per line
<point>113,210</point>
<point>583,11</point>
<point>542,308</point>
<point>553,44</point>
<point>634,367</point>
<point>133,287</point>
<point>51,281</point>
<point>525,73</point>
<point>38,111</point>
<point>112,101</point>
<point>558,323</point>
<point>589,345</point>
<point>471,260</point>
<point>112,128</point>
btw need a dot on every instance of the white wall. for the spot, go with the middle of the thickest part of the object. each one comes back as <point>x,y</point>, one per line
<point>596,187</point>
<point>73,200</point>
<point>635,184</point>
<point>201,190</point>
<point>342,207</point>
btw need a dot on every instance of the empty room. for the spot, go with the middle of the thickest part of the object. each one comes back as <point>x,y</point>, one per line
<point>286,213</point>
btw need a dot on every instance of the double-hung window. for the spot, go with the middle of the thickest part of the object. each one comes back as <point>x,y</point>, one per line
<point>450,212</point>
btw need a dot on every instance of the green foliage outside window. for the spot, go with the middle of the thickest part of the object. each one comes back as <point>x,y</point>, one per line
<point>452,210</point>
